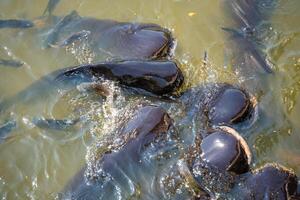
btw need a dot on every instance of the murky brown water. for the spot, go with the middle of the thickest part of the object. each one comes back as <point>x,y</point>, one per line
<point>36,164</point>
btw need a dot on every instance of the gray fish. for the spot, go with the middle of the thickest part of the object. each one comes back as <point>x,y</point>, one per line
<point>150,127</point>
<point>147,77</point>
<point>11,63</point>
<point>249,13</point>
<point>16,23</point>
<point>50,7</point>
<point>108,39</point>
<point>247,16</point>
<point>55,124</point>
<point>248,52</point>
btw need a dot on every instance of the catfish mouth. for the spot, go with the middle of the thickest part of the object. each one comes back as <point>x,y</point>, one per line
<point>163,36</point>
<point>137,41</point>
<point>239,114</point>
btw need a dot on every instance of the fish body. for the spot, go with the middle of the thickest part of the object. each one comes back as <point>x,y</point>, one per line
<point>16,23</point>
<point>247,17</point>
<point>147,128</point>
<point>105,38</point>
<point>150,77</point>
<point>11,63</point>
<point>55,124</point>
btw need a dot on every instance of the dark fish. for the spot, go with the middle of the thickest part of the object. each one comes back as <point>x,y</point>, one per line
<point>146,77</point>
<point>215,161</point>
<point>269,182</point>
<point>11,63</point>
<point>107,38</point>
<point>55,124</point>
<point>16,23</point>
<point>249,13</point>
<point>247,16</point>
<point>157,77</point>
<point>226,150</point>
<point>147,127</point>
<point>248,54</point>
<point>219,104</point>
<point>6,129</point>
<point>50,7</point>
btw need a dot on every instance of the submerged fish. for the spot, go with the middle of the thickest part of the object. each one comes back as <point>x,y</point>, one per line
<point>55,124</point>
<point>248,15</point>
<point>148,77</point>
<point>16,23</point>
<point>112,38</point>
<point>106,38</point>
<point>149,128</point>
<point>11,63</point>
